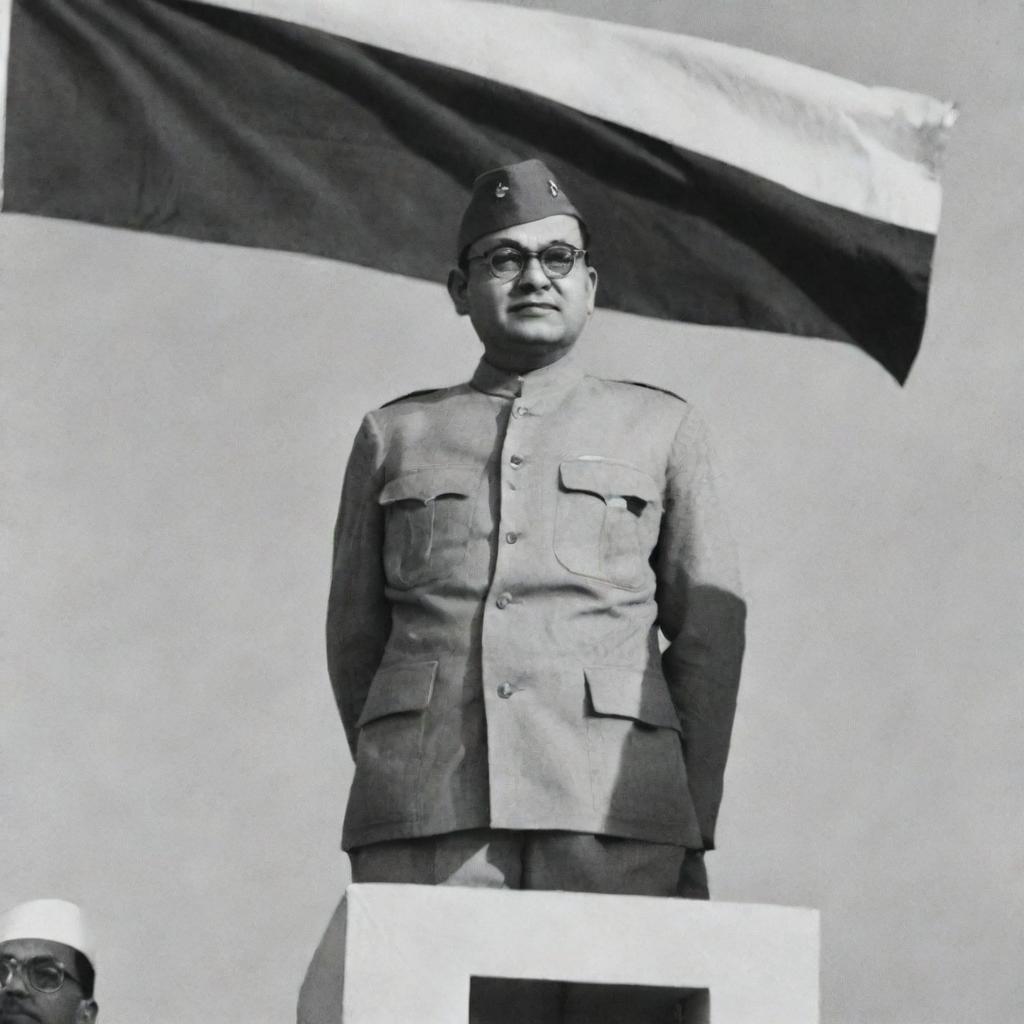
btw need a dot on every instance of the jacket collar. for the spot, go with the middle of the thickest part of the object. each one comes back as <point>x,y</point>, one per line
<point>547,382</point>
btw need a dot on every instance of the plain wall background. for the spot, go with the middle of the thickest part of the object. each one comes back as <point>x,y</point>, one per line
<point>176,419</point>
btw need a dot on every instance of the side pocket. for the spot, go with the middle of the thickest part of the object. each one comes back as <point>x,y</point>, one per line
<point>629,693</point>
<point>389,750</point>
<point>636,754</point>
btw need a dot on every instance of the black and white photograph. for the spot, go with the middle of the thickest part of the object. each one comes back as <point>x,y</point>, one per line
<point>511,512</point>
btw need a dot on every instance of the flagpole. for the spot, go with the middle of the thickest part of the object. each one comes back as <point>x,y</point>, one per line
<point>5,49</point>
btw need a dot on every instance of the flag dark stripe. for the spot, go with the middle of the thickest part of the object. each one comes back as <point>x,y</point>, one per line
<point>207,123</point>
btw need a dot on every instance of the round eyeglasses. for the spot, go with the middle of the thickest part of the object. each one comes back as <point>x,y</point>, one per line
<point>43,973</point>
<point>507,262</point>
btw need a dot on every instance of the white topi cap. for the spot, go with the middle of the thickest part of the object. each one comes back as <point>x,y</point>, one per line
<point>54,920</point>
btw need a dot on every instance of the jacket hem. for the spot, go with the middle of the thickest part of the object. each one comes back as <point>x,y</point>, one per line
<point>647,830</point>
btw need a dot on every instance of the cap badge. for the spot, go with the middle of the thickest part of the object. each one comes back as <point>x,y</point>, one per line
<point>501,190</point>
<point>552,188</point>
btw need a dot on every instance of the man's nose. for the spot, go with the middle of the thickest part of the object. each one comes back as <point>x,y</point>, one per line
<point>532,275</point>
<point>16,986</point>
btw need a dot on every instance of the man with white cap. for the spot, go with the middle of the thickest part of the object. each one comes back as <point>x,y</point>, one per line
<point>47,965</point>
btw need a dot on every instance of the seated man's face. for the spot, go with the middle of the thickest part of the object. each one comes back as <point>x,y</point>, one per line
<point>21,1002</point>
<point>532,319</point>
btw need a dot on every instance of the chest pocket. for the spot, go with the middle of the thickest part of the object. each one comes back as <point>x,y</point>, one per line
<point>606,520</point>
<point>428,514</point>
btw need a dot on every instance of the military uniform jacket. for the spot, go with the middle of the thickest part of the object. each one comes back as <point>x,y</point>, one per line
<point>505,553</point>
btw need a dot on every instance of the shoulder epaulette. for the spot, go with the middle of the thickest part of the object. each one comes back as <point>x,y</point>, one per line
<point>652,387</point>
<point>412,394</point>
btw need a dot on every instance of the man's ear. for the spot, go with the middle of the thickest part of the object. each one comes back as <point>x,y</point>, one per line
<point>87,1010</point>
<point>592,274</point>
<point>458,285</point>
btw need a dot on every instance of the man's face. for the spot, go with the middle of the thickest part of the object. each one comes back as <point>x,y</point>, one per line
<point>531,320</point>
<point>20,1003</point>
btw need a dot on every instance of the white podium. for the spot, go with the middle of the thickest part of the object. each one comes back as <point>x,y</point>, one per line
<point>407,953</point>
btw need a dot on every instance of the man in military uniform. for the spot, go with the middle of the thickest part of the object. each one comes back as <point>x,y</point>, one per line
<point>47,968</point>
<point>506,553</point>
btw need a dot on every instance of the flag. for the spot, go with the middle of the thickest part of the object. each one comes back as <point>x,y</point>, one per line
<point>721,186</point>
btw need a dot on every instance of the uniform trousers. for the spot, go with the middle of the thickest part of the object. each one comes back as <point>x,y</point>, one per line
<point>567,861</point>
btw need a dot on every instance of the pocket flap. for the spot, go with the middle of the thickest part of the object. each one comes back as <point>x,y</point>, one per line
<point>430,483</point>
<point>608,479</point>
<point>399,688</point>
<point>630,694</point>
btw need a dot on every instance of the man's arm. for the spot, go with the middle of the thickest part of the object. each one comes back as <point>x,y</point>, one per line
<point>358,614</point>
<point>702,614</point>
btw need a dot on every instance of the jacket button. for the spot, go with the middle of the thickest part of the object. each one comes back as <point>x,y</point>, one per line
<point>516,460</point>
<point>520,410</point>
<point>504,600</point>
<point>511,537</point>
<point>505,691</point>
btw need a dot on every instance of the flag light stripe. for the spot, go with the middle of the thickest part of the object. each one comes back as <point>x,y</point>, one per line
<point>870,150</point>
